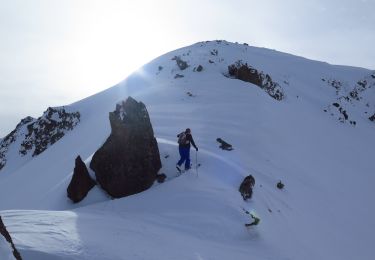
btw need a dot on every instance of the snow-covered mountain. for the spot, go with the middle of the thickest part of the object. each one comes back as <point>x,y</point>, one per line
<point>307,123</point>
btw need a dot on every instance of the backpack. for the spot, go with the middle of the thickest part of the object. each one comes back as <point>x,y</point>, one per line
<point>182,139</point>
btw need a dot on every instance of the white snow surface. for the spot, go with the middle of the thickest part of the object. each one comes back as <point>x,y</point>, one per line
<point>325,211</point>
<point>6,251</point>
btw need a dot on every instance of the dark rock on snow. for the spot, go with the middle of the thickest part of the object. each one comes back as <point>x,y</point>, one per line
<point>129,160</point>
<point>199,68</point>
<point>10,139</point>
<point>48,129</point>
<point>224,145</point>
<point>40,133</point>
<point>161,178</point>
<point>245,72</point>
<point>178,76</point>
<point>180,63</point>
<point>4,232</point>
<point>246,187</point>
<point>280,185</point>
<point>81,182</point>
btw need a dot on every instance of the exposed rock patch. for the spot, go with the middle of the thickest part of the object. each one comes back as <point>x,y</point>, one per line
<point>180,63</point>
<point>161,178</point>
<point>178,76</point>
<point>129,160</point>
<point>214,52</point>
<point>11,138</point>
<point>48,129</point>
<point>352,101</point>
<point>246,187</point>
<point>280,185</point>
<point>81,182</point>
<point>224,145</point>
<point>247,73</point>
<point>198,69</point>
<point>36,135</point>
<point>334,83</point>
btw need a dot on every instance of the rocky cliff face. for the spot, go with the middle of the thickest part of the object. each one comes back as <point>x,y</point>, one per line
<point>48,129</point>
<point>33,136</point>
<point>129,160</point>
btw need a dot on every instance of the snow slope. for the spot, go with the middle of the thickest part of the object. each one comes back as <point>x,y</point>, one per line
<point>324,212</point>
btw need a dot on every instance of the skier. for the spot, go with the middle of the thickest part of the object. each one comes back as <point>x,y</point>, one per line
<point>184,140</point>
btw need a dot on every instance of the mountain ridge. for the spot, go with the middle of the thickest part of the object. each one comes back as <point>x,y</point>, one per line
<point>325,165</point>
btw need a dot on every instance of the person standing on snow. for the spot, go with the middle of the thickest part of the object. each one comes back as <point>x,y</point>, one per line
<point>184,140</point>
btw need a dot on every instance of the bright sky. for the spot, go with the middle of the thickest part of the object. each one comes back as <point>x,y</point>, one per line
<point>55,52</point>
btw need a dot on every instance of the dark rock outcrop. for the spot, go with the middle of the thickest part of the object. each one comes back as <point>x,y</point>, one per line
<point>48,129</point>
<point>245,72</point>
<point>246,187</point>
<point>224,145</point>
<point>81,182</point>
<point>129,160</point>
<point>161,178</point>
<point>4,232</point>
<point>280,185</point>
<point>214,52</point>
<point>11,138</point>
<point>341,113</point>
<point>178,76</point>
<point>180,63</point>
<point>372,118</point>
<point>199,68</point>
<point>36,135</point>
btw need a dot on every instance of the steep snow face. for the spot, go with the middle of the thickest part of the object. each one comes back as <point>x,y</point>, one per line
<point>324,160</point>
<point>5,144</point>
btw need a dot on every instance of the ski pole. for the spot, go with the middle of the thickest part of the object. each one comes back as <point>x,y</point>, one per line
<point>196,162</point>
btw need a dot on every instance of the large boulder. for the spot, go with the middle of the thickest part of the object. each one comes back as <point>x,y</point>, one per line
<point>129,160</point>
<point>4,232</point>
<point>81,182</point>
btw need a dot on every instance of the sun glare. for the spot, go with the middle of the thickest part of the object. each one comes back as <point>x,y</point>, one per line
<point>111,41</point>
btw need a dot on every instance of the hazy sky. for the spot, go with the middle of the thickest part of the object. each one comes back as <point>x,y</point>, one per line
<point>55,52</point>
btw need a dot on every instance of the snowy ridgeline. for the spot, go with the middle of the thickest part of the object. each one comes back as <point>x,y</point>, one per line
<point>354,99</point>
<point>313,169</point>
<point>34,136</point>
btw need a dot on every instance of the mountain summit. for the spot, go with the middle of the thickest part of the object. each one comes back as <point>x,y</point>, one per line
<point>306,124</point>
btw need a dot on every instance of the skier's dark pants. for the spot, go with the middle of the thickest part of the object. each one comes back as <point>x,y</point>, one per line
<point>185,156</point>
